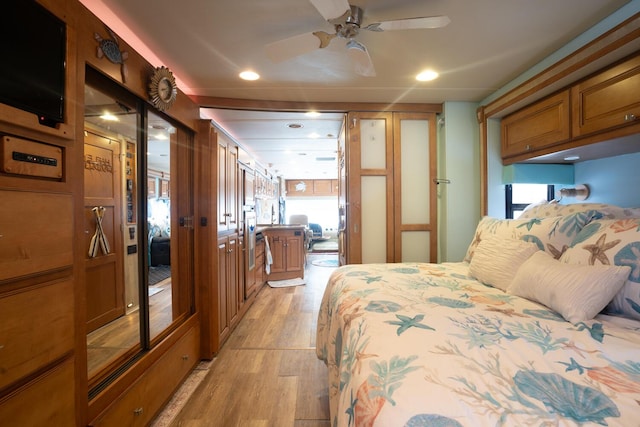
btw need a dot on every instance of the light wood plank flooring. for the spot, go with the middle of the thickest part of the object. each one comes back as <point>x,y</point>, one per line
<point>267,373</point>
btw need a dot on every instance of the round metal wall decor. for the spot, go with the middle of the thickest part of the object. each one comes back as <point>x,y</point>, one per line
<point>162,88</point>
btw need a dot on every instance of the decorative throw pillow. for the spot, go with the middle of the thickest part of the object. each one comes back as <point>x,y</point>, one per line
<point>612,242</point>
<point>552,235</point>
<point>548,210</point>
<point>576,292</point>
<point>496,261</point>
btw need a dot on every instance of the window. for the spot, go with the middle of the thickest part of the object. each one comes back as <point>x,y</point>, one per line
<point>519,196</point>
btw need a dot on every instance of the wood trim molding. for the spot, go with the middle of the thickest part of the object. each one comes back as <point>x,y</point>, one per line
<point>597,54</point>
<point>265,105</point>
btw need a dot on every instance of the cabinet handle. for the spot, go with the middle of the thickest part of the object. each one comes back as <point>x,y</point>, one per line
<point>527,147</point>
<point>229,251</point>
<point>185,357</point>
<point>629,117</point>
<point>137,411</point>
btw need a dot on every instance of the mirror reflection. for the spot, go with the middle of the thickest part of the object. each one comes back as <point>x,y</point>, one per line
<point>159,223</point>
<point>129,285</point>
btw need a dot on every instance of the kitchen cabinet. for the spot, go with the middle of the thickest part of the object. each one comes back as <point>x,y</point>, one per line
<point>227,285</point>
<point>287,250</point>
<point>607,100</point>
<point>259,270</point>
<point>228,188</point>
<point>539,125</point>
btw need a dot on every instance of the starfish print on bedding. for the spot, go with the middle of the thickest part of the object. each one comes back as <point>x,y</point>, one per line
<point>506,311</point>
<point>572,346</point>
<point>406,322</point>
<point>557,253</point>
<point>598,250</point>
<point>360,356</point>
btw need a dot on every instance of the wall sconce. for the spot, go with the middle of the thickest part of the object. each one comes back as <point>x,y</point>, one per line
<point>580,192</point>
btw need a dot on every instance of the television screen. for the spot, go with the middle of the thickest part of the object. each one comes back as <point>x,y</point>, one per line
<point>32,75</point>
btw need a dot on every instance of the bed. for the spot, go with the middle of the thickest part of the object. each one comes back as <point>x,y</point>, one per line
<point>538,326</point>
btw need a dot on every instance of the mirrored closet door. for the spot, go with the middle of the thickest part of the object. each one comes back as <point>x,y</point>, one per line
<point>134,293</point>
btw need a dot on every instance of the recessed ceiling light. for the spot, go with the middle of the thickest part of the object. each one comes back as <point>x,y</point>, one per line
<point>294,126</point>
<point>427,75</point>
<point>249,75</point>
<point>109,117</point>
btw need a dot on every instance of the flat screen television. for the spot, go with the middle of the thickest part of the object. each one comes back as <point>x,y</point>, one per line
<point>32,60</point>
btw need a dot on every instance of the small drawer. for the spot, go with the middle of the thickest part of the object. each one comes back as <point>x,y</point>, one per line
<point>34,331</point>
<point>51,393</point>
<point>144,399</point>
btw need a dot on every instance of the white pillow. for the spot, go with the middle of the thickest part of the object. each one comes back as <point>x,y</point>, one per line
<point>496,260</point>
<point>577,292</point>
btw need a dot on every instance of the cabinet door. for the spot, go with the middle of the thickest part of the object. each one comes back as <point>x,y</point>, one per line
<point>222,184</point>
<point>233,188</point>
<point>276,244</point>
<point>539,125</point>
<point>607,100</point>
<point>232,279</point>
<point>294,254</point>
<point>223,322</point>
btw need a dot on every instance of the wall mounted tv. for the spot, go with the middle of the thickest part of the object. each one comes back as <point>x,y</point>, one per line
<point>33,52</point>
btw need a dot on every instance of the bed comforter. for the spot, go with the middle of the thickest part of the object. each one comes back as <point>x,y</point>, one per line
<point>426,345</point>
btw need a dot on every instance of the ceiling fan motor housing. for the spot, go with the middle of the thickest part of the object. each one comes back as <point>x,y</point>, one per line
<point>350,28</point>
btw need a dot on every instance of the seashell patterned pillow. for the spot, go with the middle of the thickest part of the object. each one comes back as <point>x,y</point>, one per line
<point>612,242</point>
<point>548,210</point>
<point>552,235</point>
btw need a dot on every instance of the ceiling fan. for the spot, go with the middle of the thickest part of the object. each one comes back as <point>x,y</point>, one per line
<point>347,21</point>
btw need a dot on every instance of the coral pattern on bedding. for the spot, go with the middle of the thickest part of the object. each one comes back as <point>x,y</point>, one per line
<point>426,345</point>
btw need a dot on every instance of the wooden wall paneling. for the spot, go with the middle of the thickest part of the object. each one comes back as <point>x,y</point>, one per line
<point>207,268</point>
<point>37,233</point>
<point>47,400</point>
<point>35,332</point>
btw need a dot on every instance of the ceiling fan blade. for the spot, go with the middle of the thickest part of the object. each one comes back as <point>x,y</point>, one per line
<point>360,58</point>
<point>331,9</point>
<point>410,23</point>
<point>297,45</point>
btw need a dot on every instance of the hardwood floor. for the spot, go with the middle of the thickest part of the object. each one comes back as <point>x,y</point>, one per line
<point>267,373</point>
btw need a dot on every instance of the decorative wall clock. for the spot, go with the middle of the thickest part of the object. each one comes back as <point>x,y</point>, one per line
<point>162,88</point>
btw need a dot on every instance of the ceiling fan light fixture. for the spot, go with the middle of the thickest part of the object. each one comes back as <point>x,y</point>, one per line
<point>427,76</point>
<point>249,75</point>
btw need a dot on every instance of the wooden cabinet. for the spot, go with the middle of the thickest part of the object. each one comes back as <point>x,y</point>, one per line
<point>227,285</point>
<point>228,188</point>
<point>607,100</point>
<point>311,187</point>
<point>287,251</point>
<point>537,126</point>
<point>48,400</point>
<point>142,401</point>
<point>259,270</point>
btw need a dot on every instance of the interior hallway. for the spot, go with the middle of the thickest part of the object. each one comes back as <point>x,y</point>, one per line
<point>267,373</point>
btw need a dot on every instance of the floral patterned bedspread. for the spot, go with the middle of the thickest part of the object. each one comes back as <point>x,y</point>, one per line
<point>426,345</point>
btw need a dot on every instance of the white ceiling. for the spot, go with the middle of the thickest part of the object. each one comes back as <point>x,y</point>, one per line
<point>206,43</point>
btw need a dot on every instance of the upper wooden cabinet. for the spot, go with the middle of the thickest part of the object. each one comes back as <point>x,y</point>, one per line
<point>607,100</point>
<point>227,184</point>
<point>311,187</point>
<point>539,125</point>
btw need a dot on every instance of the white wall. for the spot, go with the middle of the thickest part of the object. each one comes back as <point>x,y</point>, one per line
<point>459,162</point>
